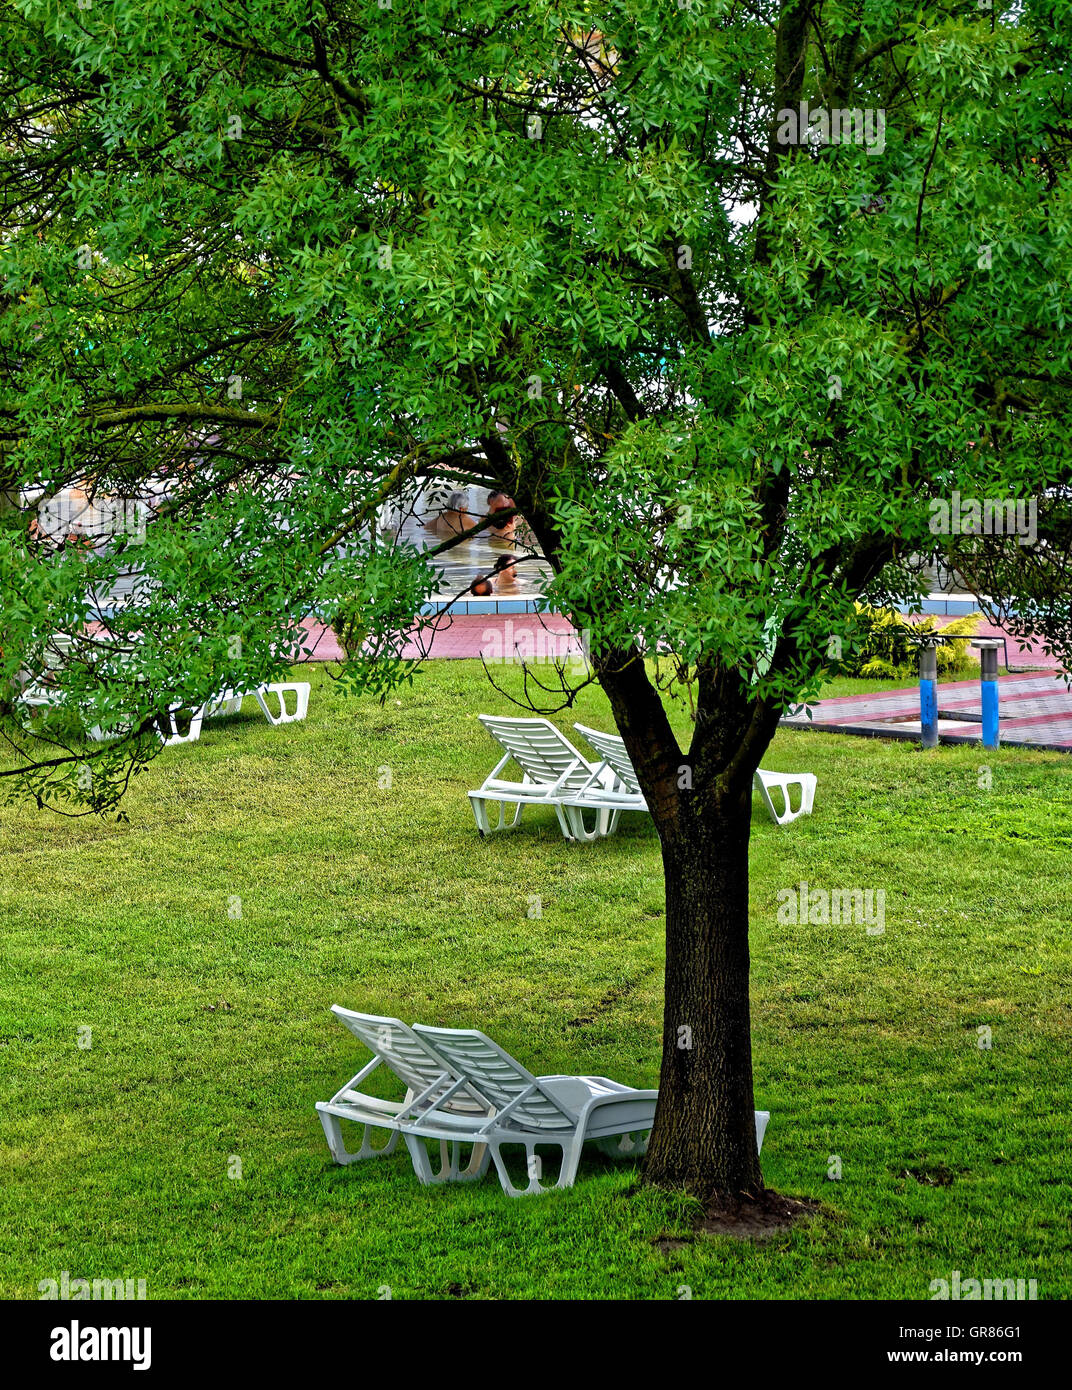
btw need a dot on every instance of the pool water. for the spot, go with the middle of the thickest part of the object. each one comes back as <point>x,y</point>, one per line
<point>459,566</point>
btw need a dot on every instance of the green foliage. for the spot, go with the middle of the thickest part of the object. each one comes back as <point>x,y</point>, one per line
<point>292,258</point>
<point>885,644</point>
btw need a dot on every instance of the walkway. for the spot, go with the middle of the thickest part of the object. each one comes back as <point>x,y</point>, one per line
<point>470,636</point>
<point>1035,712</point>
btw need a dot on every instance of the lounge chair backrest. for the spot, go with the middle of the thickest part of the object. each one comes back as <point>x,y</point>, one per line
<point>58,647</point>
<point>537,747</point>
<point>54,651</point>
<point>498,1076</point>
<point>611,748</point>
<point>410,1059</point>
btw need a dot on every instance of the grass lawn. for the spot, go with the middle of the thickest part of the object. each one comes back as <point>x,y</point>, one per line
<point>211,1037</point>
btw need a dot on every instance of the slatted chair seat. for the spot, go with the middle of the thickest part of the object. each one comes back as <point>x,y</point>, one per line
<point>427,1078</point>
<point>611,748</point>
<point>531,1111</point>
<point>554,773</point>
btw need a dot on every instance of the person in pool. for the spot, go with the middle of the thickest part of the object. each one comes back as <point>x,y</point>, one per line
<point>501,502</point>
<point>455,518</point>
<point>505,577</point>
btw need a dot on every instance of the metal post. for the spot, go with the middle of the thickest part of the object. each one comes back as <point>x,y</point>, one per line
<point>928,694</point>
<point>987,648</point>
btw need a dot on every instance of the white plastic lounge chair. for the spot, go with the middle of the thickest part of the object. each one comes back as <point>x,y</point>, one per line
<point>563,1111</point>
<point>168,728</point>
<point>40,692</point>
<point>553,772</point>
<point>230,701</point>
<point>427,1078</point>
<point>227,703</point>
<point>765,782</point>
<point>611,748</point>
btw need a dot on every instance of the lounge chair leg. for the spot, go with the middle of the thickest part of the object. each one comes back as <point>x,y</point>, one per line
<point>575,816</point>
<point>300,691</point>
<point>475,1169</point>
<point>571,1157</point>
<point>633,1145</point>
<point>504,1175</point>
<point>480,814</point>
<point>448,1162</point>
<point>571,1161</point>
<point>419,1155</point>
<point>340,1153</point>
<point>478,1164</point>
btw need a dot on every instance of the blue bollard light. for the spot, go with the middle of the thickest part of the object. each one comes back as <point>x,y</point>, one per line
<point>928,695</point>
<point>987,648</point>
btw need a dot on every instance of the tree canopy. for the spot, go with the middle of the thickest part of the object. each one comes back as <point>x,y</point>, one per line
<point>724,294</point>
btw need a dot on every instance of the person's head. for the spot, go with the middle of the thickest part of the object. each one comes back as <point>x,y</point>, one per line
<point>481,586</point>
<point>458,501</point>
<point>502,528</point>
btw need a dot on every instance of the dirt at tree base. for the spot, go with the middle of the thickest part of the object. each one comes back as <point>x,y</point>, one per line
<point>755,1218</point>
<point>746,1218</point>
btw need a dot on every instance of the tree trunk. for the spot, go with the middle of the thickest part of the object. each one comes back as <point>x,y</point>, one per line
<point>704,1137</point>
<point>9,502</point>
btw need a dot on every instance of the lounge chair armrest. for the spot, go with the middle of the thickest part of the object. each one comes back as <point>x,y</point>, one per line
<point>619,1098</point>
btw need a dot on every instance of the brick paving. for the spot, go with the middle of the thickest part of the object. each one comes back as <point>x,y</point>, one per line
<point>1035,711</point>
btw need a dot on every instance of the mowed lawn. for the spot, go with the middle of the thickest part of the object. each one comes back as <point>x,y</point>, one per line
<point>211,1036</point>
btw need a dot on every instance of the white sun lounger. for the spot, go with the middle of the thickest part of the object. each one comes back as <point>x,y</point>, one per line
<point>611,748</point>
<point>41,694</point>
<point>230,701</point>
<point>766,782</point>
<point>563,1111</point>
<point>553,773</point>
<point>428,1079</point>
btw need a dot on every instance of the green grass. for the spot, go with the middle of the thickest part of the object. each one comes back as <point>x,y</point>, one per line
<point>211,1036</point>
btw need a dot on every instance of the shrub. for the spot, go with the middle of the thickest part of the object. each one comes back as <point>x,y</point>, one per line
<point>885,645</point>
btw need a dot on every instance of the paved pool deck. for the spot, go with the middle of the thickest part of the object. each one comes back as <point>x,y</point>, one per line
<point>1035,710</point>
<point>467,636</point>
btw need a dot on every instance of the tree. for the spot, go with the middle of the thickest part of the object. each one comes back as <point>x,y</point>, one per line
<point>723,295</point>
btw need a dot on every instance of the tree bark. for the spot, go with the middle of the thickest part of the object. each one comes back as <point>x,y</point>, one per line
<point>704,1137</point>
<point>9,502</point>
